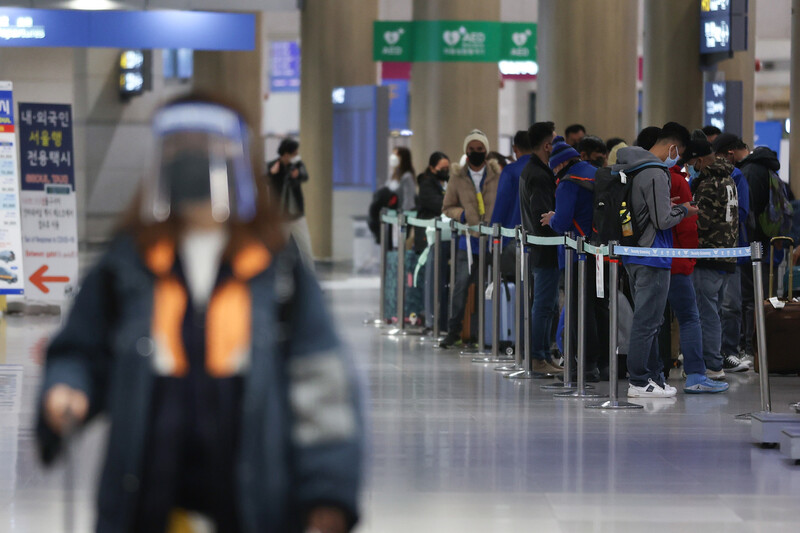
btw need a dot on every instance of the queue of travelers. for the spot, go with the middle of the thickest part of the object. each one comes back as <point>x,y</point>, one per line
<point>703,189</point>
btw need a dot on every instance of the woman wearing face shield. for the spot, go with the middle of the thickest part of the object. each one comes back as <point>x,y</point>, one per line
<point>205,340</point>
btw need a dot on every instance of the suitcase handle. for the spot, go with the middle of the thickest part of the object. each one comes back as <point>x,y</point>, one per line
<point>772,242</point>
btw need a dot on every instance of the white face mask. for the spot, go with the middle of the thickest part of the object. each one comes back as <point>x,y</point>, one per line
<point>394,161</point>
<point>296,159</point>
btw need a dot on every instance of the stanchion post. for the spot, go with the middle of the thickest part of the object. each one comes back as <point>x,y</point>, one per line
<point>437,264</point>
<point>381,320</point>
<point>761,337</point>
<point>401,272</point>
<point>496,356</point>
<point>569,288</point>
<point>581,392</point>
<point>453,252</point>
<point>613,327</point>
<point>516,366</point>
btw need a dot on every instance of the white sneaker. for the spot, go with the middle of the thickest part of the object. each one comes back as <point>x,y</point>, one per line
<point>715,374</point>
<point>672,391</point>
<point>651,390</point>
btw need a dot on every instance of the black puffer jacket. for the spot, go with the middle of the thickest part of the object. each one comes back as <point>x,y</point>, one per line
<point>756,168</point>
<point>429,205</point>
<point>537,195</point>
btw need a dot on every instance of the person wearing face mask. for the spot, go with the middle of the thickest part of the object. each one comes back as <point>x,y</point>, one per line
<point>573,212</point>
<point>682,297</point>
<point>287,175</point>
<point>717,227</point>
<point>402,179</point>
<point>654,215</point>
<point>537,196</point>
<point>204,341</point>
<point>593,150</point>
<point>469,199</point>
<point>432,184</point>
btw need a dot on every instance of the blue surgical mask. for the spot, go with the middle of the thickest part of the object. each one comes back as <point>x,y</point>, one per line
<point>693,172</point>
<point>672,161</point>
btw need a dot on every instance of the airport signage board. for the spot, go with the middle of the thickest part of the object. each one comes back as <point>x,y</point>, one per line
<point>196,30</point>
<point>723,26</point>
<point>12,280</point>
<point>49,207</point>
<point>285,67</point>
<point>722,106</point>
<point>453,40</point>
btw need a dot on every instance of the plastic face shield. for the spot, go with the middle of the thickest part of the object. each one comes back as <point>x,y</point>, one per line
<point>201,157</point>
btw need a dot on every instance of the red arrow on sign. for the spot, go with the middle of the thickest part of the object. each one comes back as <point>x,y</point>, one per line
<point>39,279</point>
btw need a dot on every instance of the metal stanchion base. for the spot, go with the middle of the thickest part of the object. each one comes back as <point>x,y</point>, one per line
<point>375,322</point>
<point>474,352</point>
<point>614,405</point>
<point>508,368</point>
<point>564,386</point>
<point>406,332</point>
<point>580,395</point>
<point>525,374</point>
<point>490,359</point>
<point>430,340</point>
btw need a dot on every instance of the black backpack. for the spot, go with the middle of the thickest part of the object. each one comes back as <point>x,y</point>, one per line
<point>611,220</point>
<point>383,197</point>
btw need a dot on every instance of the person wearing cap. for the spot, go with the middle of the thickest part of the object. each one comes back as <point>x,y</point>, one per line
<point>537,196</point>
<point>682,297</point>
<point>205,340</point>
<point>469,199</point>
<point>734,150</point>
<point>573,212</point>
<point>717,227</point>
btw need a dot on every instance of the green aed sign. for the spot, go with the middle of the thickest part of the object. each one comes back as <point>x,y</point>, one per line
<point>446,40</point>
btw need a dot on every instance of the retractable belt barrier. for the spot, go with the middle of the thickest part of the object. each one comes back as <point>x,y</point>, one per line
<point>521,365</point>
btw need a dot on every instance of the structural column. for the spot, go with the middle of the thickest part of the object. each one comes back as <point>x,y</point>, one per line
<point>448,100</point>
<point>794,135</point>
<point>336,52</point>
<point>742,67</point>
<point>237,77</point>
<point>672,79</point>
<point>588,65</point>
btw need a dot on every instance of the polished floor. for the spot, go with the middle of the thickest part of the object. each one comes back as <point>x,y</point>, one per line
<point>455,447</point>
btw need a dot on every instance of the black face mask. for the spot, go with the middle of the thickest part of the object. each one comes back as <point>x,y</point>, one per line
<point>476,159</point>
<point>443,174</point>
<point>599,162</point>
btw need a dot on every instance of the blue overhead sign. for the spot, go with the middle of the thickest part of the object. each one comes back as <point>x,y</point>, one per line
<point>285,66</point>
<point>127,29</point>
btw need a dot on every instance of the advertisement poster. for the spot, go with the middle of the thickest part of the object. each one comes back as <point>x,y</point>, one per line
<point>11,264</point>
<point>49,217</point>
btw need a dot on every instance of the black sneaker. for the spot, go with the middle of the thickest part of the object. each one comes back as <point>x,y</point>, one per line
<point>731,363</point>
<point>450,340</point>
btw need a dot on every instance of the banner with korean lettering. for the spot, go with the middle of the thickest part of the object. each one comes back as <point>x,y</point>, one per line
<point>12,280</point>
<point>49,209</point>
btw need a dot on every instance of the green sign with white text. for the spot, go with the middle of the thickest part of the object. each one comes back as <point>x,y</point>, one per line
<point>445,41</point>
<point>392,41</point>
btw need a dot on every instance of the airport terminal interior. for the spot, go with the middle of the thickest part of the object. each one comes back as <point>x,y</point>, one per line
<point>434,430</point>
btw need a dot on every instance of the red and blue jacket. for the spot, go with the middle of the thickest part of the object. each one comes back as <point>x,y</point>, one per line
<point>574,202</point>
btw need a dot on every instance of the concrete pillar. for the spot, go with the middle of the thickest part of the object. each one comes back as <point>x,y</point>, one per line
<point>238,77</point>
<point>742,67</point>
<point>336,51</point>
<point>671,53</point>
<point>448,100</point>
<point>794,135</point>
<point>588,65</point>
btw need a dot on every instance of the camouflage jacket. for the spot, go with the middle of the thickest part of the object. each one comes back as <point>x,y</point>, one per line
<point>718,221</point>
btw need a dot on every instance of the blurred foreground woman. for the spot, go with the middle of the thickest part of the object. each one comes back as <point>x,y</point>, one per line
<point>206,341</point>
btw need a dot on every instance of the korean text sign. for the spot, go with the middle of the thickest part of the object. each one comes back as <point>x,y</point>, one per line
<point>12,280</point>
<point>49,217</point>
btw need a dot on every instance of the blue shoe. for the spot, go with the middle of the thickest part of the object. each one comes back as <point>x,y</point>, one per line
<point>701,384</point>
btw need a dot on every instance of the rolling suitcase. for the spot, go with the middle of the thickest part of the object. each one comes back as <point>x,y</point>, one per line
<point>414,302</point>
<point>507,336</point>
<point>781,325</point>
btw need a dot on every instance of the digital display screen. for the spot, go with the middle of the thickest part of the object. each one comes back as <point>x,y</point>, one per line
<point>723,26</point>
<point>131,72</point>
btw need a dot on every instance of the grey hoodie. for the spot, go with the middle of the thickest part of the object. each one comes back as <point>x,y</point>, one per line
<point>652,207</point>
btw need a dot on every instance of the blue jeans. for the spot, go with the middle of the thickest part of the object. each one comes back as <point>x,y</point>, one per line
<point>545,304</point>
<point>650,288</point>
<point>731,312</point>
<point>683,301</point>
<point>709,285</point>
